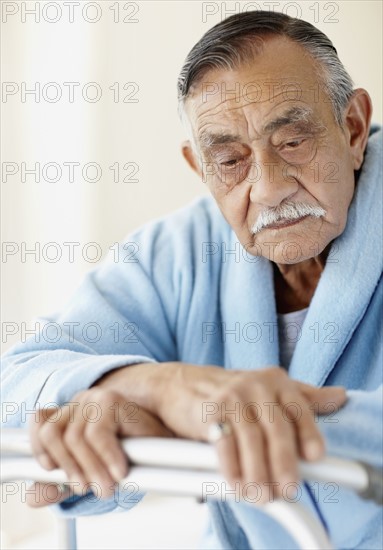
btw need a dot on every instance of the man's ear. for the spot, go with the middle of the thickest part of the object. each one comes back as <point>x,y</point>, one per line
<point>191,157</point>
<point>357,121</point>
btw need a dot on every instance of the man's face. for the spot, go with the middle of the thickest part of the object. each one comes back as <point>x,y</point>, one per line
<point>272,154</point>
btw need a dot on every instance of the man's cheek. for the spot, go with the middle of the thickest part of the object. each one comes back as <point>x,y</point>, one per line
<point>240,218</point>
<point>233,210</point>
<point>211,172</point>
<point>218,188</point>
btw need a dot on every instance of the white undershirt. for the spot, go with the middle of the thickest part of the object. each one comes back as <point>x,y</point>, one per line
<point>289,332</point>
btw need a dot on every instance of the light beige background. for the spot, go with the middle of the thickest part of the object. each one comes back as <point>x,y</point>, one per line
<point>149,53</point>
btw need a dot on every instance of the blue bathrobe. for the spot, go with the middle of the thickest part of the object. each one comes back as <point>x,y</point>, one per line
<point>187,291</point>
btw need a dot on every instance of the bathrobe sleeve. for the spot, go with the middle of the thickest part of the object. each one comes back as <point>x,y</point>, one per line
<point>118,316</point>
<point>355,430</point>
<point>121,314</point>
<point>131,309</point>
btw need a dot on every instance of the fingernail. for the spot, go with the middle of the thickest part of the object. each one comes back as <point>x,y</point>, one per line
<point>337,389</point>
<point>65,490</point>
<point>108,490</point>
<point>313,449</point>
<point>77,484</point>
<point>45,461</point>
<point>117,472</point>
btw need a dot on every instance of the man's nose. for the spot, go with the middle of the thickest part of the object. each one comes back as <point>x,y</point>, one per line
<point>270,180</point>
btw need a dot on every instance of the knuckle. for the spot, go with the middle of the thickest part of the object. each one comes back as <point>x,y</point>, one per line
<point>304,404</point>
<point>284,456</point>
<point>91,432</point>
<point>48,432</point>
<point>307,424</point>
<point>97,394</point>
<point>253,435</point>
<point>276,372</point>
<point>71,437</point>
<point>43,414</point>
<point>309,431</point>
<point>235,391</point>
<point>80,397</point>
<point>281,431</point>
<point>104,397</point>
<point>256,479</point>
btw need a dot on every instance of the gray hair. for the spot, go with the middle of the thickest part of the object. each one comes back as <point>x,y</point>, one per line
<point>236,39</point>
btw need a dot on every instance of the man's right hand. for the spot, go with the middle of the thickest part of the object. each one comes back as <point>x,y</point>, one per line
<point>82,438</point>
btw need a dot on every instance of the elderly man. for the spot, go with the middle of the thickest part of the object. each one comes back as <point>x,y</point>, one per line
<point>265,294</point>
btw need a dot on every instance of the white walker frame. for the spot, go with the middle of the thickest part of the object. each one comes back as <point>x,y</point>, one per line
<point>184,467</point>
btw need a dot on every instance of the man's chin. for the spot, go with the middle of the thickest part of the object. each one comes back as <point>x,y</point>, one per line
<point>291,249</point>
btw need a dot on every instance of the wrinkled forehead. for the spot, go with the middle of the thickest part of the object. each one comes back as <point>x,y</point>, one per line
<point>281,81</point>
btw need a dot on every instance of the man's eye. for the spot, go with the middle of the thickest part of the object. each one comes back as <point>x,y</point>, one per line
<point>231,162</point>
<point>294,144</point>
<point>299,150</point>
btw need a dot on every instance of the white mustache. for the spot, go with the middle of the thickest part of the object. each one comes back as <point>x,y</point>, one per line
<point>286,212</point>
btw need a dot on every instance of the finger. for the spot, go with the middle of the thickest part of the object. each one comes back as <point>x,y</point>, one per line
<point>253,463</point>
<point>95,444</point>
<point>81,440</point>
<point>133,420</point>
<point>121,420</point>
<point>228,458</point>
<point>296,410</point>
<point>107,448</point>
<point>78,437</point>
<point>325,399</point>
<point>38,419</point>
<point>282,447</point>
<point>44,494</point>
<point>51,437</point>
